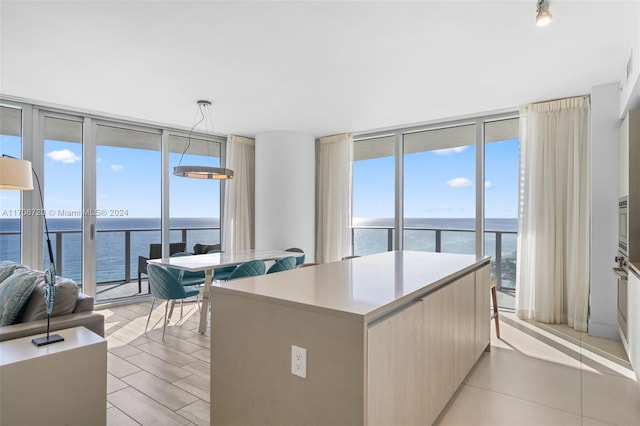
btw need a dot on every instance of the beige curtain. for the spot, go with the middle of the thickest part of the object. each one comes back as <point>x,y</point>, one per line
<point>333,215</point>
<point>553,236</point>
<point>239,195</point>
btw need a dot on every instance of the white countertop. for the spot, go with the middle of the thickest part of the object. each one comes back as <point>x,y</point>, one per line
<point>366,286</point>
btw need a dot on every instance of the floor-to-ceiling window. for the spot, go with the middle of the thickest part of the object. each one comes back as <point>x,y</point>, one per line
<point>502,148</point>
<point>439,190</point>
<point>62,187</point>
<point>10,200</point>
<point>128,204</point>
<point>450,187</point>
<point>373,195</point>
<point>109,193</point>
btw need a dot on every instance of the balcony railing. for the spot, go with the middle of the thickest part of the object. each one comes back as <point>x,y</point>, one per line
<point>503,264</point>
<point>117,249</point>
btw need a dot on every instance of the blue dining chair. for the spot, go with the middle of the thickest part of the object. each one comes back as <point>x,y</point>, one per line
<point>299,259</point>
<point>284,264</point>
<point>188,278</point>
<point>164,285</point>
<point>251,268</point>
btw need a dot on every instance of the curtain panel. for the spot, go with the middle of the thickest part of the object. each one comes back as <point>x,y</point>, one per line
<point>554,216</point>
<point>333,239</point>
<point>239,195</point>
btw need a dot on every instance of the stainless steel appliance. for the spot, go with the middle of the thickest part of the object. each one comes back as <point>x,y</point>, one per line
<point>623,226</point>
<point>622,272</point>
<point>622,268</point>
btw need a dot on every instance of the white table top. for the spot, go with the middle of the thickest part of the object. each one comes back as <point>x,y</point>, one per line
<point>21,349</point>
<point>203,262</point>
<point>365,286</point>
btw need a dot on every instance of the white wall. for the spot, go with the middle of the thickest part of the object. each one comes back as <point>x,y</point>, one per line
<point>286,191</point>
<point>605,101</point>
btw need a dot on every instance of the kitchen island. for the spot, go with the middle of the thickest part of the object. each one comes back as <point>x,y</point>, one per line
<point>388,339</point>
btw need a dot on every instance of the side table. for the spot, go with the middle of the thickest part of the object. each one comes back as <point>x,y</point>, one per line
<point>63,383</point>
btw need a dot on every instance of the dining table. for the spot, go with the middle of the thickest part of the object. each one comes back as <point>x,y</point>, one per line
<point>210,262</point>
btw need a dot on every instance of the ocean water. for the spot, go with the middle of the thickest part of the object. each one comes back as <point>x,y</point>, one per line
<point>370,236</point>
<point>110,242</point>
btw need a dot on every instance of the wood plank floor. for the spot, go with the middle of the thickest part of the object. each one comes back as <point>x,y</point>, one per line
<point>536,374</point>
<point>151,381</point>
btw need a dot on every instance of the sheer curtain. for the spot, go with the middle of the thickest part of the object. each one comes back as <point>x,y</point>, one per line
<point>553,235</point>
<point>239,195</point>
<point>333,214</point>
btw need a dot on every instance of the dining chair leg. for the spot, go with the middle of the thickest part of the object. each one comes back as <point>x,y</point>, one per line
<point>153,301</point>
<point>164,326</point>
<point>181,308</point>
<point>173,304</point>
<point>494,315</point>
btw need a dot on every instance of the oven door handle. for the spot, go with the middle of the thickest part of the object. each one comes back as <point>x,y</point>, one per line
<point>621,273</point>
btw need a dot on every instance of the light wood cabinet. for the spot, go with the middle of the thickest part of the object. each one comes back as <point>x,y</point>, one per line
<point>633,321</point>
<point>419,356</point>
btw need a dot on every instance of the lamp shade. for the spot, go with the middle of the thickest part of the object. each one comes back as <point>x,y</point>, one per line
<point>15,174</point>
<point>203,172</point>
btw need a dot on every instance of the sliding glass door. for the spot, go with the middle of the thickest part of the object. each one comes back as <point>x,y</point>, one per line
<point>128,205</point>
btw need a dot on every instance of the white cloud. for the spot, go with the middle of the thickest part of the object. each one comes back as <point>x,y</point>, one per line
<point>116,167</point>
<point>459,182</point>
<point>64,156</point>
<point>98,160</point>
<point>448,151</point>
<point>488,184</point>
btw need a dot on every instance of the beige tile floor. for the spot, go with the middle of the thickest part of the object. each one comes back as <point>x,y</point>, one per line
<point>536,375</point>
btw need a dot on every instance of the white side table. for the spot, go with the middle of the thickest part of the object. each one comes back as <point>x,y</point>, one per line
<point>63,383</point>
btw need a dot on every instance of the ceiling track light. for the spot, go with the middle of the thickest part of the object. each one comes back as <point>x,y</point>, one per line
<point>544,16</point>
<point>201,172</point>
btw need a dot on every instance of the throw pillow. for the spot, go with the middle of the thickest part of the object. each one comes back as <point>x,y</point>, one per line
<point>6,271</point>
<point>64,303</point>
<point>14,292</point>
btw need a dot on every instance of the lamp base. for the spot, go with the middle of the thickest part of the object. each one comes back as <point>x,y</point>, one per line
<point>47,340</point>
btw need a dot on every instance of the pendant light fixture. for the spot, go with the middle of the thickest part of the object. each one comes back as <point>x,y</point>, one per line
<point>544,16</point>
<point>201,172</point>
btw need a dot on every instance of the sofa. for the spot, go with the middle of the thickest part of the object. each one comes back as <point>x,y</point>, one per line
<point>22,305</point>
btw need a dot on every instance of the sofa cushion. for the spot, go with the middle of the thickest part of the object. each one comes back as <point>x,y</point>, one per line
<point>63,304</point>
<point>14,292</point>
<point>6,271</point>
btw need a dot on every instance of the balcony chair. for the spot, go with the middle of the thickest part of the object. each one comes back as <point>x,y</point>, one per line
<point>164,285</point>
<point>155,252</point>
<point>206,248</point>
<point>251,268</point>
<point>284,264</point>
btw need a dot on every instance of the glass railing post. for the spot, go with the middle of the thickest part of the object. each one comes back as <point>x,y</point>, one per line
<point>389,239</point>
<point>184,237</point>
<point>127,256</point>
<point>438,240</point>
<point>58,253</point>
<point>498,260</point>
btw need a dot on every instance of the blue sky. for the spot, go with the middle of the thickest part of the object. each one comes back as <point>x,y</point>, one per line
<point>127,180</point>
<point>439,184</point>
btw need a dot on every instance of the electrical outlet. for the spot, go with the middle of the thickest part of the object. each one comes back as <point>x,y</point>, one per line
<point>299,361</point>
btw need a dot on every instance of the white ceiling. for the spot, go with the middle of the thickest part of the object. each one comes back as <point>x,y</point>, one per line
<point>315,67</point>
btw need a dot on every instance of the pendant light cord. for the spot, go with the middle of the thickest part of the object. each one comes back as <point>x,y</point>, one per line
<point>202,116</point>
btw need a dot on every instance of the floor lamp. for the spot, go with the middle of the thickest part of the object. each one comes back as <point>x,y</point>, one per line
<point>17,174</point>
